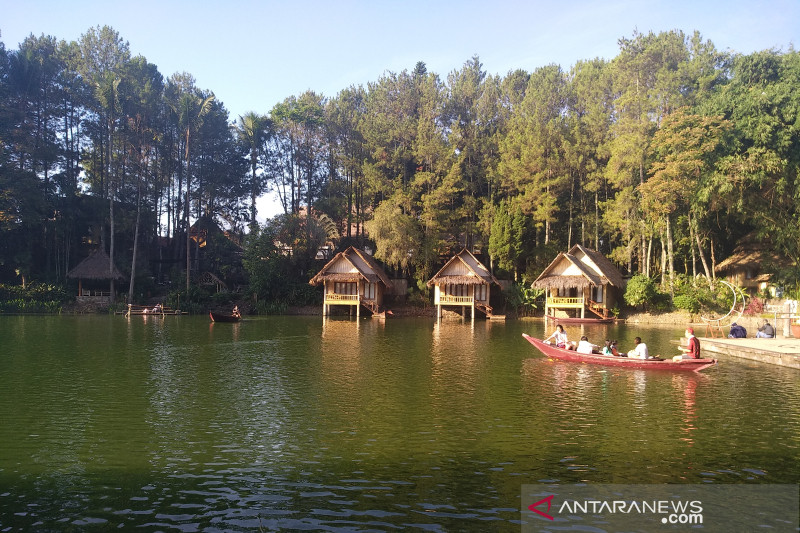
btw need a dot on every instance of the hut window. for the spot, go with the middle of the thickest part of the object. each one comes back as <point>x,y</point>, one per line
<point>456,290</point>
<point>480,293</point>
<point>345,288</point>
<point>597,294</point>
<point>369,291</point>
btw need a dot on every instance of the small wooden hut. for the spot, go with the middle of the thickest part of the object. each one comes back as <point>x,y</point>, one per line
<point>353,278</point>
<point>746,267</point>
<point>463,282</point>
<point>94,275</point>
<point>578,281</point>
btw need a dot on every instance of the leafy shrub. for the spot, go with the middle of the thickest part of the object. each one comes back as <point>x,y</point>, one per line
<point>687,302</point>
<point>754,307</point>
<point>271,308</point>
<point>34,298</point>
<point>524,300</point>
<point>640,291</point>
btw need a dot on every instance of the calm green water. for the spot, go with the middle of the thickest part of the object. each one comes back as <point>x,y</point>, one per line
<point>289,423</point>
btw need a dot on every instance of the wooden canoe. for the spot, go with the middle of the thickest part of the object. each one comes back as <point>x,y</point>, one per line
<point>578,320</point>
<point>219,317</point>
<point>693,365</point>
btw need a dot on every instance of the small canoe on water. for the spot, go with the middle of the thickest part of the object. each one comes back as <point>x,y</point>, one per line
<point>694,365</point>
<point>571,320</point>
<point>219,317</point>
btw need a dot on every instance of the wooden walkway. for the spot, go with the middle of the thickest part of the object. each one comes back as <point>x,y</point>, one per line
<point>780,351</point>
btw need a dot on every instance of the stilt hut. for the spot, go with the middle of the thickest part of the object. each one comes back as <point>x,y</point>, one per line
<point>94,275</point>
<point>353,278</point>
<point>578,281</point>
<point>463,282</point>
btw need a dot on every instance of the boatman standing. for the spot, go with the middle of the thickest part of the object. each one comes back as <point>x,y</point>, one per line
<point>692,349</point>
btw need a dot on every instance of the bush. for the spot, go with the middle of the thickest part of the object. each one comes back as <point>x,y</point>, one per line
<point>271,308</point>
<point>640,291</point>
<point>523,299</point>
<point>35,298</point>
<point>687,302</point>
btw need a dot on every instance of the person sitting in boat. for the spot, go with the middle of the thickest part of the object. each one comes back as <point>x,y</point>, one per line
<point>766,331</point>
<point>607,348</point>
<point>584,346</point>
<point>692,349</point>
<point>737,332</point>
<point>640,350</point>
<point>559,336</point>
<point>615,349</point>
<point>236,312</point>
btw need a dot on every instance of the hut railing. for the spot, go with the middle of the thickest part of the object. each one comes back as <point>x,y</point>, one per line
<point>342,298</point>
<point>456,300</point>
<point>562,302</point>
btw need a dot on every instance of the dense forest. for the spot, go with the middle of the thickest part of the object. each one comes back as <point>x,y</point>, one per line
<point>663,158</point>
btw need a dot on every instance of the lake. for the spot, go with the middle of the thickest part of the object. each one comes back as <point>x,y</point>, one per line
<point>286,423</point>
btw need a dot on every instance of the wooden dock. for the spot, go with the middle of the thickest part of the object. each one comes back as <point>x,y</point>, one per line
<point>780,351</point>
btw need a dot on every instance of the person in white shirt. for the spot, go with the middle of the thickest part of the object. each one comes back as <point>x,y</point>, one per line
<point>640,351</point>
<point>584,346</point>
<point>559,336</point>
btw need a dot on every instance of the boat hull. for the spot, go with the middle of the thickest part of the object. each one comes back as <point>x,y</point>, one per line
<point>571,320</point>
<point>219,317</point>
<point>691,365</point>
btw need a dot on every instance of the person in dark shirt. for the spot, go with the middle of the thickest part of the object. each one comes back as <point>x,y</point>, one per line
<point>766,331</point>
<point>737,331</point>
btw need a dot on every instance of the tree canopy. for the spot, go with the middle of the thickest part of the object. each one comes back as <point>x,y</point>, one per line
<point>672,145</point>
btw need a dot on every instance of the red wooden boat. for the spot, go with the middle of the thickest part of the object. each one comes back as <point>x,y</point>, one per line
<point>578,320</point>
<point>219,317</point>
<point>694,365</point>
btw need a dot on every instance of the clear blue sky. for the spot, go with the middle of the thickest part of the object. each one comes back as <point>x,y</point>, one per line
<point>253,54</point>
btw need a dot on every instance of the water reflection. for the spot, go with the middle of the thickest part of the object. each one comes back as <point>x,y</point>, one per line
<point>296,422</point>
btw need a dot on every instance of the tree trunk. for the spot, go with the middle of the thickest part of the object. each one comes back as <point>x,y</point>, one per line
<point>663,240</point>
<point>703,258</point>
<point>670,255</point>
<point>135,239</point>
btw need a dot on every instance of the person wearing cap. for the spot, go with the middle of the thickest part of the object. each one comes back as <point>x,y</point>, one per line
<point>692,349</point>
<point>737,332</point>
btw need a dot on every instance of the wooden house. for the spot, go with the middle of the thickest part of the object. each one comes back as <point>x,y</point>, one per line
<point>580,281</point>
<point>94,275</point>
<point>353,278</point>
<point>463,282</point>
<point>747,266</point>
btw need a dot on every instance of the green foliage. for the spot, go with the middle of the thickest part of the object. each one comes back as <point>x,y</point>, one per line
<point>640,291</point>
<point>671,142</point>
<point>695,296</point>
<point>687,302</point>
<point>34,298</point>
<point>278,278</point>
<point>523,299</point>
<point>197,301</point>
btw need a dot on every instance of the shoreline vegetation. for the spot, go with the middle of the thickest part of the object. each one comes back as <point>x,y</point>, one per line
<point>676,161</point>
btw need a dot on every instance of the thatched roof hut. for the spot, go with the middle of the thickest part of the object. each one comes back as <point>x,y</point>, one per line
<point>750,264</point>
<point>351,266</point>
<point>95,267</point>
<point>579,268</point>
<point>463,269</point>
